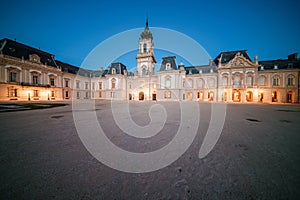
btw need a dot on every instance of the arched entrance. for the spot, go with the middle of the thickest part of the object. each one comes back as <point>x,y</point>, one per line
<point>249,96</point>
<point>289,97</point>
<point>236,96</point>
<point>189,96</point>
<point>274,96</point>
<point>210,96</point>
<point>200,96</point>
<point>141,96</point>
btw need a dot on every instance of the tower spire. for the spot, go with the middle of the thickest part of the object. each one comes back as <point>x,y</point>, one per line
<point>147,22</point>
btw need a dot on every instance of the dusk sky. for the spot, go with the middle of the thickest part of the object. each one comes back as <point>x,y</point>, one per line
<point>70,30</point>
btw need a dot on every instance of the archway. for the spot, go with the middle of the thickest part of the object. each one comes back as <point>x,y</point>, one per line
<point>249,96</point>
<point>141,96</point>
<point>236,96</point>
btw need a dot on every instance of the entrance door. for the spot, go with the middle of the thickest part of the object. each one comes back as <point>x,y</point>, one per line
<point>289,97</point>
<point>236,96</point>
<point>141,96</point>
<point>249,96</point>
<point>154,97</point>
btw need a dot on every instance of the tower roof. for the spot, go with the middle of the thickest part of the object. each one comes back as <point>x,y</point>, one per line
<point>146,34</point>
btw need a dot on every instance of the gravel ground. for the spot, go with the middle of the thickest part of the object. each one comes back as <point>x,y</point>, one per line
<point>256,157</point>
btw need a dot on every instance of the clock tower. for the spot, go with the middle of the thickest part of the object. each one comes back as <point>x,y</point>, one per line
<point>145,57</point>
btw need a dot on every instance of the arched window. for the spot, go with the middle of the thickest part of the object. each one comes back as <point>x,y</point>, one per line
<point>144,72</point>
<point>276,80</point>
<point>190,83</point>
<point>168,82</point>
<point>290,80</point>
<point>262,80</point>
<point>168,66</point>
<point>225,80</point>
<point>200,83</point>
<point>249,80</point>
<point>236,80</point>
<point>113,71</point>
<point>211,82</point>
<point>113,83</point>
<point>145,48</point>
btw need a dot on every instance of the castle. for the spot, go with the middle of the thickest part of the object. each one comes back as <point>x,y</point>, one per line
<point>29,74</point>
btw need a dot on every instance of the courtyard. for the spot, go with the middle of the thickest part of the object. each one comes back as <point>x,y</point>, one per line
<point>256,156</point>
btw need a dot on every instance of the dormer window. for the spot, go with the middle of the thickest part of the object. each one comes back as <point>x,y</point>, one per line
<point>113,71</point>
<point>34,58</point>
<point>168,66</point>
<point>275,67</point>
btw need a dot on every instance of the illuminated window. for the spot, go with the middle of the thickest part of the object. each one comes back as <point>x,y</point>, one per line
<point>52,93</point>
<point>167,94</point>
<point>12,92</point>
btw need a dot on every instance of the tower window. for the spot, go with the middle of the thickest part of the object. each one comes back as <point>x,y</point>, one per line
<point>145,48</point>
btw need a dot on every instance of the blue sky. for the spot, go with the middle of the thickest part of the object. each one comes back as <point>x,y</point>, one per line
<point>71,29</point>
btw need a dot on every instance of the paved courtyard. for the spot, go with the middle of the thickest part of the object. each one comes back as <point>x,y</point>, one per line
<point>256,157</point>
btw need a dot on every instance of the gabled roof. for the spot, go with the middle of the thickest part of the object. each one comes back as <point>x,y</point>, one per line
<point>169,59</point>
<point>22,51</point>
<point>229,55</point>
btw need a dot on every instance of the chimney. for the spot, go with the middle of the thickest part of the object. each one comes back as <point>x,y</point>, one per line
<point>210,62</point>
<point>293,56</point>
